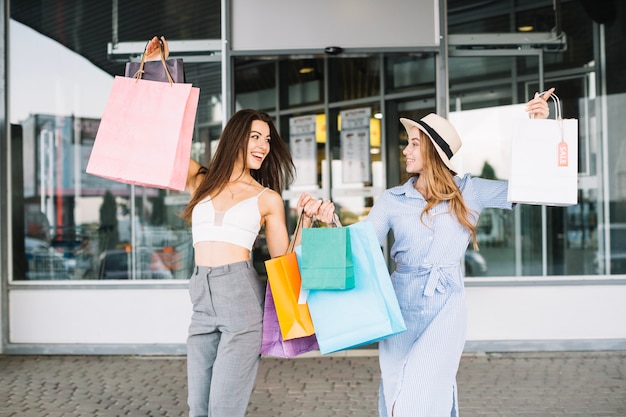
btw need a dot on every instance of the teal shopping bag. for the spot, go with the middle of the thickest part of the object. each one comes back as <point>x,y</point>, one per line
<point>365,314</point>
<point>326,259</point>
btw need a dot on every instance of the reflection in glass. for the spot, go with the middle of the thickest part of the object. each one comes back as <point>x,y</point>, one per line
<point>255,84</point>
<point>408,72</point>
<point>73,222</point>
<point>615,231</point>
<point>77,226</point>
<point>302,82</point>
<point>355,184</point>
<point>353,78</point>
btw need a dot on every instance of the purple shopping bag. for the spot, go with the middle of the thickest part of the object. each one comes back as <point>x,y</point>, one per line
<point>272,343</point>
<point>165,70</point>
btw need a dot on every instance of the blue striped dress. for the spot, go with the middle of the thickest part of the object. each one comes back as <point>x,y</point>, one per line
<point>419,366</point>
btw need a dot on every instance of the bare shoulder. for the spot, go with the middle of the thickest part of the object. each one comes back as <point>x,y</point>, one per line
<point>270,201</point>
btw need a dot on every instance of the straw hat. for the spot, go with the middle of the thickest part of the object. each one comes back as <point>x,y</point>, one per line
<point>441,133</point>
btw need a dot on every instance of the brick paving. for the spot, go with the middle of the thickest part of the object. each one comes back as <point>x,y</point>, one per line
<point>546,384</point>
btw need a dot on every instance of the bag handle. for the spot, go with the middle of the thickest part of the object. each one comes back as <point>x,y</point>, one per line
<point>140,71</point>
<point>558,116</point>
<point>292,242</point>
<point>557,105</point>
<point>316,222</point>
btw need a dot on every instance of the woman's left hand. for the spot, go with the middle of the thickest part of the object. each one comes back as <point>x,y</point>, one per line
<point>326,212</point>
<point>537,108</point>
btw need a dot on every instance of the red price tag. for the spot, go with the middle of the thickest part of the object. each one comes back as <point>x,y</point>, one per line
<point>563,154</point>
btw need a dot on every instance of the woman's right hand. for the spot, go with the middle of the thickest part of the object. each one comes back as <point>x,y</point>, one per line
<point>318,208</point>
<point>153,49</point>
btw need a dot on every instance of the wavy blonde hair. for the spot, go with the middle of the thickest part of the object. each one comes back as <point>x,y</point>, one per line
<point>440,186</point>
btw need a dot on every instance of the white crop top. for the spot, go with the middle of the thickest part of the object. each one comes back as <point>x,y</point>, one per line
<point>239,225</point>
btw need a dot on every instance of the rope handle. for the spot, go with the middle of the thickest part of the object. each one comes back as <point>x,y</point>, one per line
<point>316,222</point>
<point>558,116</point>
<point>557,105</point>
<point>292,242</point>
<point>140,71</point>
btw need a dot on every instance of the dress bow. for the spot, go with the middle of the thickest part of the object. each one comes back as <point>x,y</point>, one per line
<point>438,278</point>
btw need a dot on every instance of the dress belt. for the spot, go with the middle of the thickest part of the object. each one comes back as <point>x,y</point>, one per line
<point>438,277</point>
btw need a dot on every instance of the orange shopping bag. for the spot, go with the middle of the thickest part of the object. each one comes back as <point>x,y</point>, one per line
<point>284,278</point>
<point>145,133</point>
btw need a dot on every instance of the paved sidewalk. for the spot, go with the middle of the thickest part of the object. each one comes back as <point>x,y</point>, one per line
<point>583,384</point>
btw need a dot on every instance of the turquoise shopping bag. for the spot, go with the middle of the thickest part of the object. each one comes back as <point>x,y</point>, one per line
<point>365,314</point>
<point>326,259</point>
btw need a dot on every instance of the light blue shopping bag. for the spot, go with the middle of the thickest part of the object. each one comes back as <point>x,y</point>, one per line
<point>365,314</point>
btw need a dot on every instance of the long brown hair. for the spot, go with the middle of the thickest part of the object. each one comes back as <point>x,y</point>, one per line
<point>440,186</point>
<point>276,172</point>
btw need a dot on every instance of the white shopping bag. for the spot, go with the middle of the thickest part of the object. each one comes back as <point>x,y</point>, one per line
<point>544,161</point>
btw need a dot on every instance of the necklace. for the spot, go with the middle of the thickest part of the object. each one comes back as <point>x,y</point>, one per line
<point>232,195</point>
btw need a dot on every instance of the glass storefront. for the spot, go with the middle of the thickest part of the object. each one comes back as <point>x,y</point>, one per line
<point>69,225</point>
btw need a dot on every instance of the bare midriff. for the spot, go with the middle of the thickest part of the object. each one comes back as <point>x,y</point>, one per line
<point>219,253</point>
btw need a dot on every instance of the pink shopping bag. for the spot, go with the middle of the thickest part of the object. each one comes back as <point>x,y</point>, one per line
<point>145,133</point>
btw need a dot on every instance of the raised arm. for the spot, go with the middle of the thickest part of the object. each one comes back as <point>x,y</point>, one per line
<point>152,52</point>
<point>194,177</point>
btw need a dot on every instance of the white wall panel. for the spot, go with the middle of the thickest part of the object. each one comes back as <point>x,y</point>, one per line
<point>304,24</point>
<point>577,312</point>
<point>161,316</point>
<point>99,316</point>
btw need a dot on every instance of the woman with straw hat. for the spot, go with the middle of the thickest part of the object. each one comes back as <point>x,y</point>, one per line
<point>433,216</point>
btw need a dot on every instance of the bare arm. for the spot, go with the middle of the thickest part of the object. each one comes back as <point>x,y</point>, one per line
<point>276,233</point>
<point>193,179</point>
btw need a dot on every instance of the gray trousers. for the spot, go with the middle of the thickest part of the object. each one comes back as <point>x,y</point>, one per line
<point>224,339</point>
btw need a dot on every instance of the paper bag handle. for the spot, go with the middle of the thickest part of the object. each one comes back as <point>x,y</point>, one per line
<point>558,114</point>
<point>557,105</point>
<point>292,242</point>
<point>336,223</point>
<point>140,71</point>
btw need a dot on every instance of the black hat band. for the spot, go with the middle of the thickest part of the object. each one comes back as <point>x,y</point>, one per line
<point>438,139</point>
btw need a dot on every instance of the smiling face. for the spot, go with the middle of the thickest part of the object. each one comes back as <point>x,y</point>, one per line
<point>413,152</point>
<point>258,144</point>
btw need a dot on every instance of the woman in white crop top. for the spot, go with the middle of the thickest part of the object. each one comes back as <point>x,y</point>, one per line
<point>236,195</point>
<point>231,200</point>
